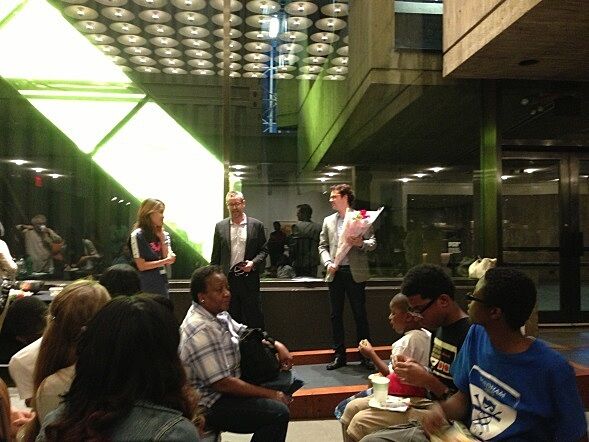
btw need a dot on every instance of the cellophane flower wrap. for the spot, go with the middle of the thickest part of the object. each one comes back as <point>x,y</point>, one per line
<point>356,223</point>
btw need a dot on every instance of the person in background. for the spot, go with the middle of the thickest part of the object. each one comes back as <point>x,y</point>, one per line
<point>69,313</point>
<point>305,242</point>
<point>276,243</point>
<point>151,247</point>
<point>239,247</point>
<point>121,280</point>
<point>129,383</point>
<point>349,278</point>
<point>42,244</point>
<point>89,259</point>
<point>209,349</point>
<point>24,323</point>
<point>510,386</point>
<point>8,267</point>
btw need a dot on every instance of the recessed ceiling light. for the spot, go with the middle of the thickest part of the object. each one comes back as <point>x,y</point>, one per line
<point>436,169</point>
<point>340,168</point>
<point>19,162</point>
<point>404,180</point>
<point>114,198</point>
<point>54,175</point>
<point>506,177</point>
<point>38,169</point>
<point>531,170</point>
<point>238,166</point>
<point>420,175</point>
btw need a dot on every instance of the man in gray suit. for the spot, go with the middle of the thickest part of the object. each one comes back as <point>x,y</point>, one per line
<point>349,277</point>
<point>239,247</point>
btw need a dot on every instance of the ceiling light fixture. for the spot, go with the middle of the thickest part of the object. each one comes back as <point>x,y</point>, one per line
<point>436,169</point>
<point>19,162</point>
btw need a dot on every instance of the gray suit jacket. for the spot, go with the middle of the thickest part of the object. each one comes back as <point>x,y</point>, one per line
<point>256,249</point>
<point>357,255</point>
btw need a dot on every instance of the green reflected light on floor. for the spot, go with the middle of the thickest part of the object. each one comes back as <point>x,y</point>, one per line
<point>152,156</point>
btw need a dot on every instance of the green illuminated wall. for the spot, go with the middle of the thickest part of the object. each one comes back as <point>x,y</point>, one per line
<point>107,117</point>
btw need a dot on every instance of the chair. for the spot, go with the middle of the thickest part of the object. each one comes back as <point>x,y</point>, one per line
<point>4,413</point>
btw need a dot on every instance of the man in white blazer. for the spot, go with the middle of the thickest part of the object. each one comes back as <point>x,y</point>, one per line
<point>349,278</point>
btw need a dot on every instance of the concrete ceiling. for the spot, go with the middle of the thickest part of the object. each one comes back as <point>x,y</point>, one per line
<point>548,42</point>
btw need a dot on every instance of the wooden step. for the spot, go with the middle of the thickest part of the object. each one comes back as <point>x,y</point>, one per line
<point>319,403</point>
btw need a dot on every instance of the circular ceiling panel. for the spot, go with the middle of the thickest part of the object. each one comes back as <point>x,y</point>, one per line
<point>263,6</point>
<point>195,43</point>
<point>290,48</point>
<point>325,37</point>
<point>314,60</point>
<point>118,60</point>
<point>339,61</point>
<point>346,39</point>
<point>80,12</point>
<point>234,20</point>
<point>155,16</point>
<point>117,14</point>
<point>194,31</point>
<point>137,50</point>
<point>258,21</point>
<point>292,36</point>
<point>172,62</point>
<point>334,77</point>
<point>331,24</point>
<point>200,64</point>
<point>168,52</point>
<point>231,66</point>
<point>285,68</point>
<point>233,45</point>
<point>178,71</point>
<point>312,69</point>
<point>258,35</point>
<point>283,76</point>
<point>147,70</point>
<point>164,42</point>
<point>189,5</point>
<point>112,2</point>
<point>301,8</point>
<point>198,53</point>
<point>191,18</point>
<point>335,9</point>
<point>233,56</point>
<point>232,74</point>
<point>257,46</point>
<point>298,23</point>
<point>337,70</point>
<point>254,75</point>
<point>75,2</point>
<point>233,33</point>
<point>90,27</point>
<point>131,40</point>
<point>125,28</point>
<point>151,3</point>
<point>160,30</point>
<point>286,59</point>
<point>343,51</point>
<point>99,39</point>
<point>320,49</point>
<point>234,5</point>
<point>202,72</point>
<point>109,50</point>
<point>143,61</point>
<point>256,58</point>
<point>255,67</point>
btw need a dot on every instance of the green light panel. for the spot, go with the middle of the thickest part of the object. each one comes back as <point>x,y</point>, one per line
<point>84,122</point>
<point>7,6</point>
<point>153,156</point>
<point>38,43</point>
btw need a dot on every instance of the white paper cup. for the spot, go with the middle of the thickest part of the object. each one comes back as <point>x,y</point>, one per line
<point>380,388</point>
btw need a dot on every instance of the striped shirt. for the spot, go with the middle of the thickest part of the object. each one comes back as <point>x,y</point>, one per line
<point>209,350</point>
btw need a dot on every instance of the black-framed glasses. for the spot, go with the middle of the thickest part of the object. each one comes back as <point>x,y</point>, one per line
<point>474,298</point>
<point>420,309</point>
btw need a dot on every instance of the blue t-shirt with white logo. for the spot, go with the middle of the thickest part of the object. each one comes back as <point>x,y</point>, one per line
<point>527,396</point>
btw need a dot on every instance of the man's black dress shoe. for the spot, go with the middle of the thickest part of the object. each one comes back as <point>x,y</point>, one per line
<point>367,363</point>
<point>338,362</point>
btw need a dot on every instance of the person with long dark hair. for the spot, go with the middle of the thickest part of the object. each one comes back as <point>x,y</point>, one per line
<point>129,383</point>
<point>151,247</point>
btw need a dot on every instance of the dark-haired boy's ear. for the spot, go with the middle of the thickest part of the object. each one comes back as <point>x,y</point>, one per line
<point>444,299</point>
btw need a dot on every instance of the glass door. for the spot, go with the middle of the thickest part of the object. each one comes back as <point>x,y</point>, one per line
<point>545,228</point>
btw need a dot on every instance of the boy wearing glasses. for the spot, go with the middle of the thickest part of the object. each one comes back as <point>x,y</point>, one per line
<point>430,292</point>
<point>510,386</point>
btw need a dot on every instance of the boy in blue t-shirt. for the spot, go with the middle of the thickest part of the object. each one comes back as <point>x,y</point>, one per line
<point>510,387</point>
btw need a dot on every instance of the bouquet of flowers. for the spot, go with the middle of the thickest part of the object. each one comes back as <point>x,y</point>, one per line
<point>356,223</point>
